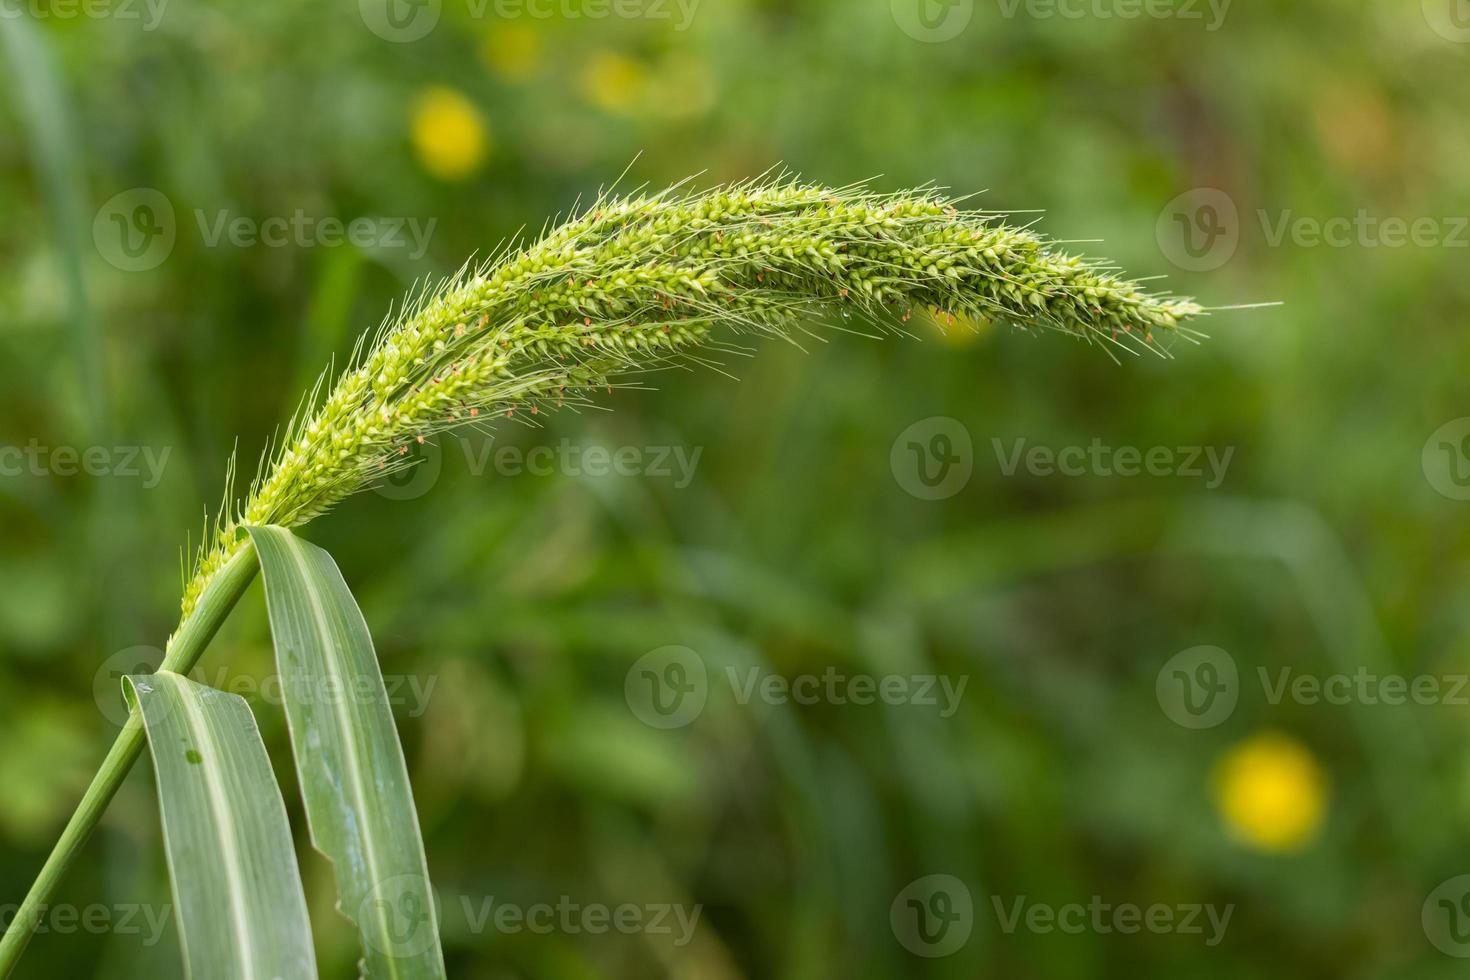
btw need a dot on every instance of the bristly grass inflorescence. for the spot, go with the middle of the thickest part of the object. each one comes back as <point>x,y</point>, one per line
<point>645,281</point>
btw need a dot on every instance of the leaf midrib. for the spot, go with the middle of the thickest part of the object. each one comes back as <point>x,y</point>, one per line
<point>319,620</point>
<point>199,727</point>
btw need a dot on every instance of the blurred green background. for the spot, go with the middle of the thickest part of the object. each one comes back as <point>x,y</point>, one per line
<point>1203,143</point>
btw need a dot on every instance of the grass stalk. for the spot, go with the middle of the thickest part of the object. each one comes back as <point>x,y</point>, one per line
<point>184,651</point>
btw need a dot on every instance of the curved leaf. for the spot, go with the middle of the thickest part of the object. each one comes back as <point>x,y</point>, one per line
<point>359,804</point>
<point>241,911</point>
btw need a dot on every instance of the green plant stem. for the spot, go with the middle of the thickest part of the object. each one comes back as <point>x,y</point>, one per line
<point>184,652</point>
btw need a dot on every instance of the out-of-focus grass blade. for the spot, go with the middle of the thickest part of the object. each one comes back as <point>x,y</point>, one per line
<point>241,910</point>
<point>38,88</point>
<point>348,757</point>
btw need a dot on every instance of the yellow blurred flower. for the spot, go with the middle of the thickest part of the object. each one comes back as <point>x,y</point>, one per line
<point>450,136</point>
<point>614,81</point>
<point>956,329</point>
<point>1357,127</point>
<point>683,88</point>
<point>1271,792</point>
<point>513,52</point>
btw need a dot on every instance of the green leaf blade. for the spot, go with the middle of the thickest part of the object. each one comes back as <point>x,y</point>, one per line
<point>354,780</point>
<point>240,906</point>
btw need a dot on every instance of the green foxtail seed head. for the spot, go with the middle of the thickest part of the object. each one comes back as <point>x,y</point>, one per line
<point>636,283</point>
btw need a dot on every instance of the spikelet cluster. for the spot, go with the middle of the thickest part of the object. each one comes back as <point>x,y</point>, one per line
<point>638,282</point>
